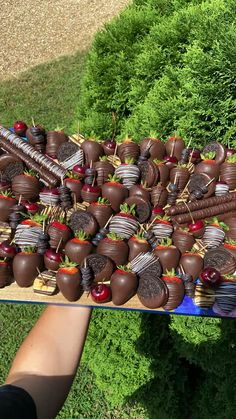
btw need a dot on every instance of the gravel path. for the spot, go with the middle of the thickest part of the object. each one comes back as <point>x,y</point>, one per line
<point>33,32</point>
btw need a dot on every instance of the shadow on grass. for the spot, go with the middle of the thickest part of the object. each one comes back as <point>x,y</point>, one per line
<point>48,92</point>
<point>190,380</point>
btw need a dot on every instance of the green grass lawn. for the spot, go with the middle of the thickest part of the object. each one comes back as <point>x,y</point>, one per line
<point>49,93</point>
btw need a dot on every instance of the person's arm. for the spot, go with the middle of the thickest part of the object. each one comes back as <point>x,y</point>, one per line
<point>46,363</point>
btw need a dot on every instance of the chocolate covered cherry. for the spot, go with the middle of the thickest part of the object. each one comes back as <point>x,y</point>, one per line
<point>210,277</point>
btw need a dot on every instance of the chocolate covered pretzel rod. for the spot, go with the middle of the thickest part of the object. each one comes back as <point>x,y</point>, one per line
<point>201,204</point>
<point>205,213</point>
<point>30,151</point>
<point>44,174</point>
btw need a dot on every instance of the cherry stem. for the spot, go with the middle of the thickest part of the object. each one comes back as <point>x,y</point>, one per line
<point>59,244</point>
<point>172,148</point>
<point>210,181</point>
<point>182,269</point>
<point>33,121</point>
<point>19,201</point>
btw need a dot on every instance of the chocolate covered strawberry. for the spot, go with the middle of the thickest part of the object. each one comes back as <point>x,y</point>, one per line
<point>6,273</point>
<point>140,191</point>
<point>90,193</point>
<point>128,148</point>
<point>214,233</point>
<point>228,171</point>
<point>68,280</point>
<point>115,248</point>
<point>124,223</point>
<point>103,169</point>
<point>74,184</point>
<point>26,265</point>
<point>175,288</point>
<point>28,231</point>
<point>183,239</point>
<point>138,244</point>
<point>168,254</point>
<point>208,165</point>
<point>101,210</point>
<point>180,175</point>
<point>154,146</point>
<point>128,172</point>
<point>162,227</point>
<point>124,284</point>
<point>174,146</point>
<point>26,185</point>
<point>191,263</point>
<point>164,172</point>
<point>115,192</point>
<point>78,248</point>
<point>59,234</point>
<point>6,203</point>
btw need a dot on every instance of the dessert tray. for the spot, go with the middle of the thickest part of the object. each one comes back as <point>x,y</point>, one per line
<point>148,226</point>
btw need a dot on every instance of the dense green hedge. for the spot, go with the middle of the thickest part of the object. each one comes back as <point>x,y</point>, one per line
<point>164,65</point>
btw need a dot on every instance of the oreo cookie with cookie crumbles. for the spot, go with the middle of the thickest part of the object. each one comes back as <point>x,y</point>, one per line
<point>220,259</point>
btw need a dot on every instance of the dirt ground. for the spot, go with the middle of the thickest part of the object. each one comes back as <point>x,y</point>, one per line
<point>34,32</point>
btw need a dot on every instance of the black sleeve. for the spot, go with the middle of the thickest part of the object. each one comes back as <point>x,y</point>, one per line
<point>16,403</point>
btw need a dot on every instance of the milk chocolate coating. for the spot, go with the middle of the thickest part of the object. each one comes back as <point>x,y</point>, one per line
<point>174,147</point>
<point>183,240</point>
<point>6,159</point>
<point>149,173</point>
<point>51,265</point>
<point>219,149</point>
<point>92,151</point>
<point>89,197</point>
<point>159,195</point>
<point>192,264</point>
<point>6,205</point>
<point>168,256</point>
<point>228,174</point>
<point>83,220</point>
<point>115,194</point>
<point>123,286</point>
<point>152,292</point>
<point>57,235</point>
<point>231,249</point>
<point>103,169</point>
<point>220,259</point>
<point>77,252</point>
<point>205,213</point>
<point>27,187</point>
<point>102,266</point>
<point>30,163</point>
<point>164,173</point>
<point>200,180</point>
<point>211,169</point>
<point>25,268</point>
<point>30,133</point>
<point>204,203</point>
<point>6,274</point>
<point>54,140</point>
<point>75,186</point>
<point>155,147</point>
<point>142,208</point>
<point>69,285</point>
<point>179,176</point>
<point>102,213</point>
<point>231,223</point>
<point>116,250</point>
<point>128,149</point>
<point>136,247</point>
<point>140,191</point>
<point>176,294</point>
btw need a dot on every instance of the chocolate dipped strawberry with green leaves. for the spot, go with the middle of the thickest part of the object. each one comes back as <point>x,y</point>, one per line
<point>162,227</point>
<point>78,248</point>
<point>68,280</point>
<point>140,191</point>
<point>168,254</point>
<point>124,223</point>
<point>73,182</point>
<point>115,192</point>
<point>153,145</point>
<point>103,169</point>
<point>6,273</point>
<point>28,231</point>
<point>128,149</point>
<point>115,248</point>
<point>176,289</point>
<point>26,185</point>
<point>101,210</point>
<point>191,263</point>
<point>7,201</point>
<point>230,245</point>
<point>183,239</point>
<point>26,265</point>
<point>174,146</point>
<point>128,172</point>
<point>214,233</point>
<point>208,165</point>
<point>59,234</point>
<point>138,244</point>
<point>90,193</point>
<point>228,171</point>
<point>124,284</point>
<point>164,172</point>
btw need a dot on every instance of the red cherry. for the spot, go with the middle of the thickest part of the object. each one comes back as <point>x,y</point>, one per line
<point>110,144</point>
<point>59,226</point>
<point>171,159</point>
<point>195,153</point>
<point>79,169</point>
<point>221,182</point>
<point>101,293</point>
<point>158,210</point>
<point>210,277</point>
<point>53,255</point>
<point>91,188</point>
<point>53,191</point>
<point>20,127</point>
<point>196,226</point>
<point>230,151</point>
<point>8,248</point>
<point>32,207</point>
